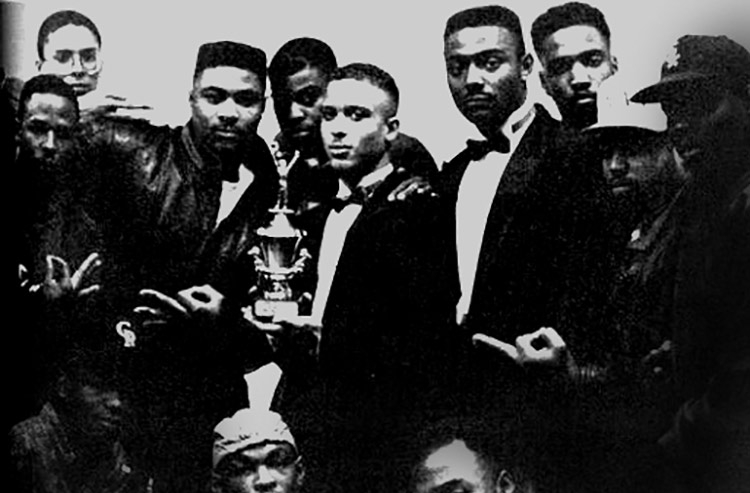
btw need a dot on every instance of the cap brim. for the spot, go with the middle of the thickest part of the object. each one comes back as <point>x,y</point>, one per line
<point>619,131</point>
<point>669,86</point>
<point>619,136</point>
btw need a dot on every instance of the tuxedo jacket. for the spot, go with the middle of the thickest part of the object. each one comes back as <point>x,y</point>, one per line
<point>387,325</point>
<point>530,235</point>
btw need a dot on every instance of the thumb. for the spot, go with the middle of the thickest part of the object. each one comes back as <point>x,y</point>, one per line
<point>487,341</point>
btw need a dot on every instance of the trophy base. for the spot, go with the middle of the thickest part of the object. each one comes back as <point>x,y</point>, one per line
<point>268,309</point>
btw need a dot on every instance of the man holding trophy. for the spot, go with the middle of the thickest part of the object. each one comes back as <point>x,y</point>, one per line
<point>382,312</point>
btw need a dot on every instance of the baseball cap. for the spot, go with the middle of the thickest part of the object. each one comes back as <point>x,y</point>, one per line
<point>699,59</point>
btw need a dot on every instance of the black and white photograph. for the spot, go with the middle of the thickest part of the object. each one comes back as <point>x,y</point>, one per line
<point>397,246</point>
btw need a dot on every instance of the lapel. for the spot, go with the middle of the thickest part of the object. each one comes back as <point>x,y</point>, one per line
<point>515,192</point>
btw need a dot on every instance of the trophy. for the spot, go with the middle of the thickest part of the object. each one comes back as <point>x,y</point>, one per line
<point>278,258</point>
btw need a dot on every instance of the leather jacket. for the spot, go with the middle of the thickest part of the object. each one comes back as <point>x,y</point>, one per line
<point>159,198</point>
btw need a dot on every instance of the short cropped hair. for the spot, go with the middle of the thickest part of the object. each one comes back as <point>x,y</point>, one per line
<point>490,15</point>
<point>61,19</point>
<point>298,54</point>
<point>567,15</point>
<point>375,76</point>
<point>45,84</point>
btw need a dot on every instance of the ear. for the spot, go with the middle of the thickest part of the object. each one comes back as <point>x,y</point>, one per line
<point>527,65</point>
<point>615,65</point>
<point>392,126</point>
<point>505,483</point>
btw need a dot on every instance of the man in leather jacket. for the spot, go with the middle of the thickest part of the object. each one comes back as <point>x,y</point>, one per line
<point>180,207</point>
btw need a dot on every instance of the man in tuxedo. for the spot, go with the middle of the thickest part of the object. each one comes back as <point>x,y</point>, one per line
<point>381,309</point>
<point>505,192</point>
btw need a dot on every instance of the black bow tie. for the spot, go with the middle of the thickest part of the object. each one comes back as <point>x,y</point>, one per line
<point>479,148</point>
<point>356,197</point>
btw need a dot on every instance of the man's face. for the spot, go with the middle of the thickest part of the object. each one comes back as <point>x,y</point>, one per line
<point>453,468</point>
<point>702,119</point>
<point>72,53</point>
<point>355,127</point>
<point>227,104</point>
<point>297,105</point>
<point>575,61</point>
<point>266,468</point>
<point>97,408</point>
<point>47,129</point>
<point>485,74</point>
<point>635,171</point>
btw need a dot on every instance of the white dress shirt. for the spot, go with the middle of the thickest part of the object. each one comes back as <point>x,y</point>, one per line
<point>475,196</point>
<point>334,236</point>
<point>231,192</point>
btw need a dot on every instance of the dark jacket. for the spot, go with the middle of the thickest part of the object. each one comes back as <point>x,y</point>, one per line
<point>159,198</point>
<point>518,264</point>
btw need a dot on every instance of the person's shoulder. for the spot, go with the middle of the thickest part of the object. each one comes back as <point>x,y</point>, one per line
<point>33,432</point>
<point>111,122</point>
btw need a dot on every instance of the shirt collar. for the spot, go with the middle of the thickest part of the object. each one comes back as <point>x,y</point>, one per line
<point>519,118</point>
<point>367,184</point>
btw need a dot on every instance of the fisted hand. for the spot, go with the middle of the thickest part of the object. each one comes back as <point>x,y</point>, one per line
<point>543,347</point>
<point>58,282</point>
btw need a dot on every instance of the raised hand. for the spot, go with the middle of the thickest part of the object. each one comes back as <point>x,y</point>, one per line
<point>58,281</point>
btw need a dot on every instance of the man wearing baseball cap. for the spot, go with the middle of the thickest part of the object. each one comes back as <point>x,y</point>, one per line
<point>705,92</point>
<point>254,452</point>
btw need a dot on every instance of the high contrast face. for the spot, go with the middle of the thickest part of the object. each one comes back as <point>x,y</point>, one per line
<point>297,105</point>
<point>47,129</point>
<point>227,104</point>
<point>266,468</point>
<point>486,75</point>
<point>72,53</point>
<point>356,126</point>
<point>575,61</point>
<point>453,468</point>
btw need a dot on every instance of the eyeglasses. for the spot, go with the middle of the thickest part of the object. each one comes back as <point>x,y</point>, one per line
<point>88,58</point>
<point>245,98</point>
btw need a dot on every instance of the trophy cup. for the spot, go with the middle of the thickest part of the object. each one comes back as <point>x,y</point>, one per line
<point>278,258</point>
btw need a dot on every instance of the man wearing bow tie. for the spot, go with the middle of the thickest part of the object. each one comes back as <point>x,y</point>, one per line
<point>506,190</point>
<point>381,307</point>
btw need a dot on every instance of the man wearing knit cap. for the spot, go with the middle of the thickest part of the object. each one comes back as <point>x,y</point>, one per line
<point>191,195</point>
<point>254,451</point>
<point>181,206</point>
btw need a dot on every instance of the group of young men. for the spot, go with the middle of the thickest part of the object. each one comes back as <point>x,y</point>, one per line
<point>529,317</point>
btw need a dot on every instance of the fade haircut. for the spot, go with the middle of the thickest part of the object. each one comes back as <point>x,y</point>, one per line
<point>375,76</point>
<point>45,84</point>
<point>299,54</point>
<point>61,19</point>
<point>490,15</point>
<point>567,15</point>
